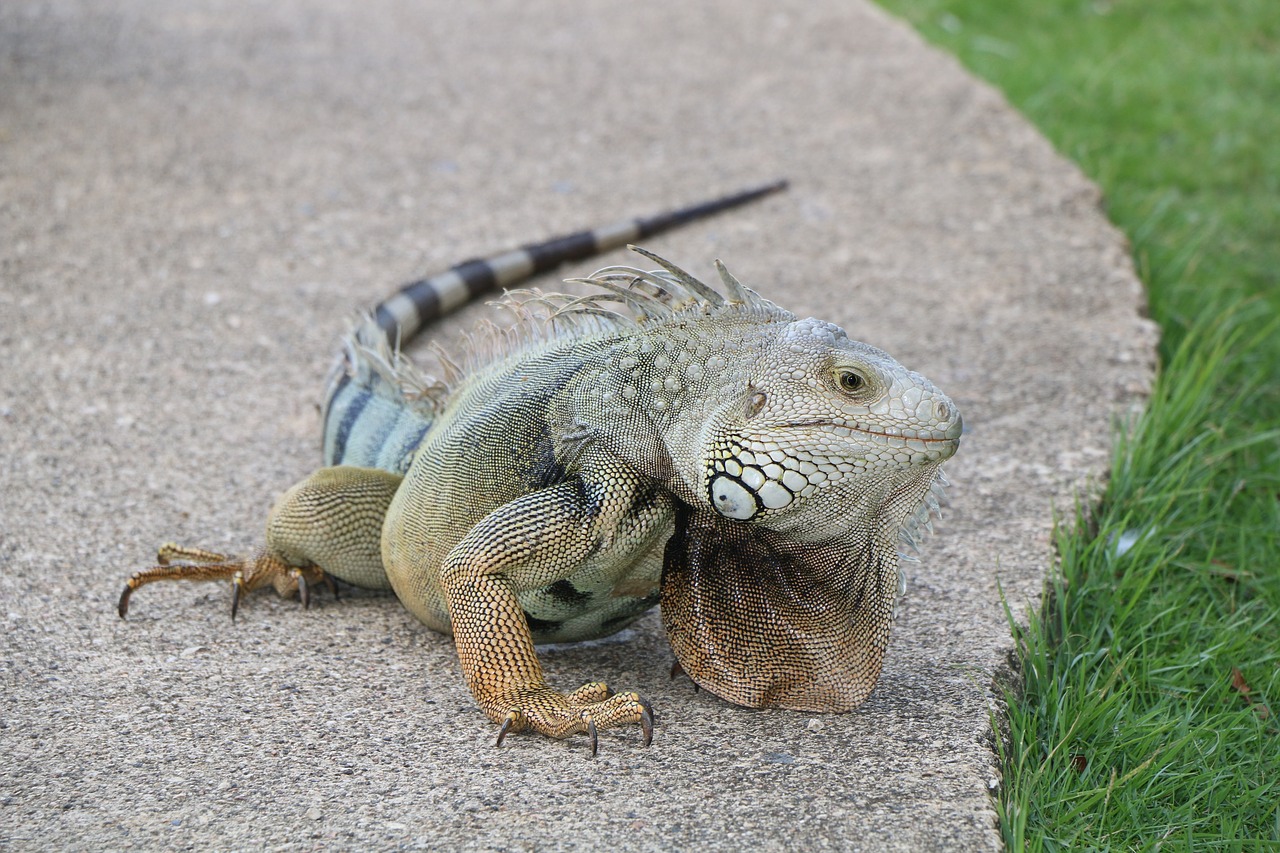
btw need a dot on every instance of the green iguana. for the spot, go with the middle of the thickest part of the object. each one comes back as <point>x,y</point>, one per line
<point>657,441</point>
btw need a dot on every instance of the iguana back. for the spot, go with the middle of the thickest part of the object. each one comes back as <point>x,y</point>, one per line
<point>378,407</point>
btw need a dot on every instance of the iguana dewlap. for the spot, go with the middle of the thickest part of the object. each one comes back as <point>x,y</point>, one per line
<point>657,441</point>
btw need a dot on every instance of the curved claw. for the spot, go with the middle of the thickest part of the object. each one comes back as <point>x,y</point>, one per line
<point>237,584</point>
<point>506,727</point>
<point>560,719</point>
<point>304,591</point>
<point>175,562</point>
<point>333,587</point>
<point>646,723</point>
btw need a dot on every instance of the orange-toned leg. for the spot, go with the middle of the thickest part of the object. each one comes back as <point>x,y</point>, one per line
<point>178,562</point>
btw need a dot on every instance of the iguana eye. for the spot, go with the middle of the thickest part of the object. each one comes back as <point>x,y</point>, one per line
<point>850,381</point>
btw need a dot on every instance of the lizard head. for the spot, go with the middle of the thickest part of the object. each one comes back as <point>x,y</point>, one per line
<point>800,459</point>
<point>768,419</point>
<point>826,430</point>
<point>821,457</point>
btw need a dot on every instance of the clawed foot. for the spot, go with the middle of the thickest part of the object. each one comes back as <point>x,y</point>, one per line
<point>180,563</point>
<point>587,709</point>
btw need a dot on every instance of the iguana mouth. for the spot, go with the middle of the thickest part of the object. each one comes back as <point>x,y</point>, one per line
<point>863,430</point>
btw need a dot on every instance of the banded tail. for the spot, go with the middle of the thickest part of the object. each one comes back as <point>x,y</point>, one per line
<point>367,420</point>
<point>418,303</point>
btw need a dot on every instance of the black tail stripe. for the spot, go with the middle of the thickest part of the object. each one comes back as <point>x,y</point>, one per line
<point>425,298</point>
<point>571,247</point>
<point>385,320</point>
<point>478,275</point>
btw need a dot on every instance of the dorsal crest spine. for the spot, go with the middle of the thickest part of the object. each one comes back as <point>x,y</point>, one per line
<point>627,299</point>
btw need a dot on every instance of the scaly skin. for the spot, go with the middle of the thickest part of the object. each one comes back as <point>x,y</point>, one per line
<point>751,471</point>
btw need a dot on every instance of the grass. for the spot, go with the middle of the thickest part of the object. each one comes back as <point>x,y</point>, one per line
<point>1146,716</point>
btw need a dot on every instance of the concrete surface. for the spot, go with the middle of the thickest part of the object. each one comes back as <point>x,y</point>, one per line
<point>195,196</point>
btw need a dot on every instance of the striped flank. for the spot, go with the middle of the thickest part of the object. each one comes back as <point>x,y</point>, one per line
<point>367,424</point>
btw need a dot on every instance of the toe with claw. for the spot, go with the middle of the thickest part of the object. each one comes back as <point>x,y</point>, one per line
<point>175,562</point>
<point>586,710</point>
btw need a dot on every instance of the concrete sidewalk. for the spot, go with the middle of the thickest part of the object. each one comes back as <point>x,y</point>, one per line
<point>194,197</point>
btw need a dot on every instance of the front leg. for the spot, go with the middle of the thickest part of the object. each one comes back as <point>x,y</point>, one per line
<point>528,544</point>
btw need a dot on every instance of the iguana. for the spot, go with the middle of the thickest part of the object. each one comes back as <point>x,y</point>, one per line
<point>657,441</point>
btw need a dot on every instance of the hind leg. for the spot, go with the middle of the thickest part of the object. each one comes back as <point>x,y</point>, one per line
<point>327,526</point>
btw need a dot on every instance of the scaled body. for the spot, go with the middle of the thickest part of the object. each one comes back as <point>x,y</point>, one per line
<point>659,441</point>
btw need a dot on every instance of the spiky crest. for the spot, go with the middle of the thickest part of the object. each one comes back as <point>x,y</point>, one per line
<point>627,299</point>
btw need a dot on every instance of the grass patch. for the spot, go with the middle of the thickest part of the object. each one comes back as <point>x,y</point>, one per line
<point>1151,674</point>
